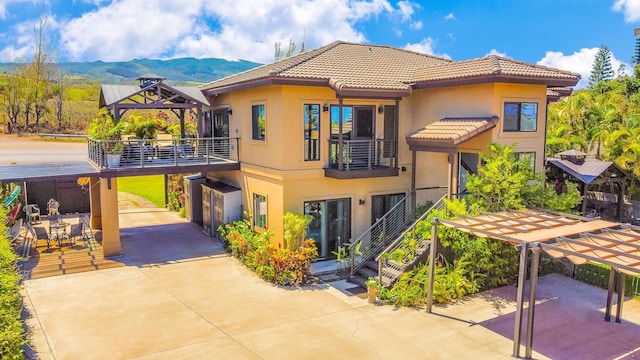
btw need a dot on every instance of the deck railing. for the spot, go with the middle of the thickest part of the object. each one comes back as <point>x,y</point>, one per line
<point>140,153</point>
<point>362,154</point>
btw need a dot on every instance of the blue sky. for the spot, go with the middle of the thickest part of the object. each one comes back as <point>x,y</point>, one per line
<point>557,33</point>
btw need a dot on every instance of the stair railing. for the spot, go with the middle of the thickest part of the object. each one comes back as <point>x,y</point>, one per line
<point>373,240</point>
<point>388,269</point>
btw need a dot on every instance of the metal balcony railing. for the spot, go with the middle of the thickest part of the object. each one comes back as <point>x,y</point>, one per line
<point>362,154</point>
<point>141,153</point>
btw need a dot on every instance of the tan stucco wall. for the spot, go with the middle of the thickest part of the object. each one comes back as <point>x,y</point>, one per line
<point>276,168</point>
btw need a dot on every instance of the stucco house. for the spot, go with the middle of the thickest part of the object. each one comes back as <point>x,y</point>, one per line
<point>345,131</point>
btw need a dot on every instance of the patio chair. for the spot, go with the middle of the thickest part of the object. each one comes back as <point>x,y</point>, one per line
<point>33,213</point>
<point>87,233</point>
<point>75,232</point>
<point>14,231</point>
<point>42,234</point>
<point>52,206</point>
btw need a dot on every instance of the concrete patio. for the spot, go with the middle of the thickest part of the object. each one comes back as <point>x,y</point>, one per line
<point>179,296</point>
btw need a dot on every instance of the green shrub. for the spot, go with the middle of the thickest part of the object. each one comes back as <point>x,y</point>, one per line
<point>295,229</point>
<point>272,263</point>
<point>451,282</point>
<point>12,335</point>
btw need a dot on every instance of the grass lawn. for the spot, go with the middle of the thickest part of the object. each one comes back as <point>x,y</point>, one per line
<point>149,187</point>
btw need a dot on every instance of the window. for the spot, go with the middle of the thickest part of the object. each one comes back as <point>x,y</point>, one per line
<point>258,122</point>
<point>260,211</point>
<point>528,158</point>
<point>520,116</point>
<point>311,132</point>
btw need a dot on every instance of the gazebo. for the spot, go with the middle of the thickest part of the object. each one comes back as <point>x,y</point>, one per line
<point>154,94</point>
<point>575,166</point>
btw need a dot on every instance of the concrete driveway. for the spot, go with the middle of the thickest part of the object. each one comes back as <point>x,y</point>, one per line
<point>181,297</point>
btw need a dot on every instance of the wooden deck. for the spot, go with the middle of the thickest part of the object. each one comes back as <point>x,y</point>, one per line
<point>40,260</point>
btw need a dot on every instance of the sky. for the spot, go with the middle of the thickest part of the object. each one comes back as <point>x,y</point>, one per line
<point>564,34</point>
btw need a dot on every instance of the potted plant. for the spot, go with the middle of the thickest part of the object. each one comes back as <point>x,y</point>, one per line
<point>103,127</point>
<point>372,289</point>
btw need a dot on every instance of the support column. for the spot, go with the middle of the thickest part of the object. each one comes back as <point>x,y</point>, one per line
<point>110,222</point>
<point>94,203</point>
<point>621,288</point>
<point>610,290</point>
<point>533,279</point>
<point>450,158</point>
<point>432,262</point>
<point>522,275</point>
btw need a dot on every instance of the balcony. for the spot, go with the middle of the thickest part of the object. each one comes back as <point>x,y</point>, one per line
<point>146,157</point>
<point>362,159</point>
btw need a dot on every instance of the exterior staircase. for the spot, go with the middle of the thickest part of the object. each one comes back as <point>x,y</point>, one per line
<point>385,236</point>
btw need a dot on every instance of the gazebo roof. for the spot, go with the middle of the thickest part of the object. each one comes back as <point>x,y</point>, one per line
<point>587,170</point>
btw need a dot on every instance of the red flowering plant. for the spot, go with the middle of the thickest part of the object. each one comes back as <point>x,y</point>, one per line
<point>283,266</point>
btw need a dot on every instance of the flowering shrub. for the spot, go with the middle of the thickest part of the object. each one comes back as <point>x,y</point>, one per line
<point>176,194</point>
<point>272,263</point>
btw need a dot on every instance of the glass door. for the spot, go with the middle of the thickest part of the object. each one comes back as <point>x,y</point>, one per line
<point>467,164</point>
<point>330,225</point>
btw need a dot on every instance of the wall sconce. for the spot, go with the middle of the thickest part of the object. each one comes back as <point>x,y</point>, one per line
<point>229,111</point>
<point>361,202</point>
<point>325,108</point>
<point>380,109</point>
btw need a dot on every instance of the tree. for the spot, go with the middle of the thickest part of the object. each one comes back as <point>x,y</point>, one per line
<point>508,182</point>
<point>602,70</point>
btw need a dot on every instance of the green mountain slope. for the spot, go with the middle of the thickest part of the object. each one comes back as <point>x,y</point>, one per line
<point>183,71</point>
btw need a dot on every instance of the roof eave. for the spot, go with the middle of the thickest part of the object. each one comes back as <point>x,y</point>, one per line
<point>272,80</point>
<point>495,78</point>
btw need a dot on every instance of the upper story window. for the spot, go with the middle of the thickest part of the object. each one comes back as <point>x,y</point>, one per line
<point>311,132</point>
<point>258,122</point>
<point>520,116</point>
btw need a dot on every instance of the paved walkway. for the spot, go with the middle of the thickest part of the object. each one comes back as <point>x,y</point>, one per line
<point>181,297</point>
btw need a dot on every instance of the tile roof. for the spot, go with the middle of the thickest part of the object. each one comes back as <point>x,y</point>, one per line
<point>497,67</point>
<point>342,66</point>
<point>360,69</point>
<point>450,132</point>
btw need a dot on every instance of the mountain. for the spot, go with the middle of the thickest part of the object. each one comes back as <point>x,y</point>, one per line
<point>182,71</point>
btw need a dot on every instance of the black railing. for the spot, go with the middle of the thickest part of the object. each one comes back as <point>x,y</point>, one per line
<point>140,153</point>
<point>362,154</point>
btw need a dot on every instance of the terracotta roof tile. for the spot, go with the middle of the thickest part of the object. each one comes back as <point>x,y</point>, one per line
<point>343,66</point>
<point>450,132</point>
<point>491,65</point>
<point>356,67</point>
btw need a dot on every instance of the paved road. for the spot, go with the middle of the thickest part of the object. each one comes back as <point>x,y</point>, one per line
<point>28,150</point>
<point>181,297</point>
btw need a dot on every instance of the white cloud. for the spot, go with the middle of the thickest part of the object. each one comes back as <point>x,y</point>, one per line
<point>416,25</point>
<point>580,62</point>
<point>244,29</point>
<point>425,46</point>
<point>127,29</point>
<point>496,52</point>
<point>449,16</point>
<point>630,8</point>
<point>406,9</point>
<point>4,3</point>
<point>24,39</point>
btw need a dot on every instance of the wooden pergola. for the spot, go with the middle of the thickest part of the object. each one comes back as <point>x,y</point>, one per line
<point>576,238</point>
<point>153,94</point>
